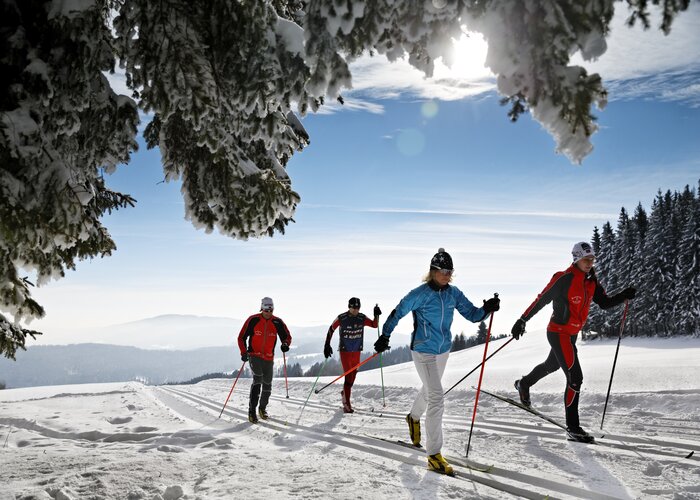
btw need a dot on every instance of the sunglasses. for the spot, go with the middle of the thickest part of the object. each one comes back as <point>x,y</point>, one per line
<point>445,272</point>
<point>354,307</point>
<point>267,309</point>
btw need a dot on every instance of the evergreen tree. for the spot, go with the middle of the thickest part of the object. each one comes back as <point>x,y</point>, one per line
<point>664,266</point>
<point>481,333</point>
<point>224,81</point>
<point>604,271</point>
<point>293,370</point>
<point>639,307</point>
<point>332,368</point>
<point>687,301</point>
<point>595,316</point>
<point>459,342</point>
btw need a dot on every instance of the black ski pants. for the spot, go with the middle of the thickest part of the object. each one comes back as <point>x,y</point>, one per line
<point>563,354</point>
<point>262,379</point>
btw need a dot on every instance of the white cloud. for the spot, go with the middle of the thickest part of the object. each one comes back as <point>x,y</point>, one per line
<point>637,63</point>
<point>635,52</point>
<point>482,213</point>
<point>646,63</point>
<point>378,78</point>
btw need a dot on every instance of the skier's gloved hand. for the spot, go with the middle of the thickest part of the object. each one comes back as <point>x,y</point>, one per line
<point>382,343</point>
<point>327,351</point>
<point>492,305</point>
<point>628,293</point>
<point>284,347</point>
<point>244,357</point>
<point>377,311</point>
<point>518,329</point>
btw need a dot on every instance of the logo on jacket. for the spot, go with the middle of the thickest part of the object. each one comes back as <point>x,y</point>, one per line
<point>576,300</point>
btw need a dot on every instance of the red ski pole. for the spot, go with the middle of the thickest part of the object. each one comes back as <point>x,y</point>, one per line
<point>351,369</point>
<point>231,391</point>
<point>481,376</point>
<point>286,385</point>
<point>619,338</point>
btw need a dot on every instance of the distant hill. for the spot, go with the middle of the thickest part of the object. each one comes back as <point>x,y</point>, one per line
<point>89,363</point>
<point>183,331</point>
<point>171,348</point>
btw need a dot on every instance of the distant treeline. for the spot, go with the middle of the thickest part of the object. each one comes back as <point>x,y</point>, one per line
<point>659,254</point>
<point>333,367</point>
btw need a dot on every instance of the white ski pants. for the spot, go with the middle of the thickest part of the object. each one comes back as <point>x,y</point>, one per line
<point>430,368</point>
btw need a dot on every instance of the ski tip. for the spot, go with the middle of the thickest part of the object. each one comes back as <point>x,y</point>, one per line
<point>690,454</point>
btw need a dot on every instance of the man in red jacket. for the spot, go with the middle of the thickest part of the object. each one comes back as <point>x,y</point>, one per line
<point>257,344</point>
<point>571,292</point>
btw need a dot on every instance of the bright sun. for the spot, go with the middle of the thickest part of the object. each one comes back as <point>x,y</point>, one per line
<point>468,59</point>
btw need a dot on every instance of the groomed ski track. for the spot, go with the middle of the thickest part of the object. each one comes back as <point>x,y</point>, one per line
<point>519,483</point>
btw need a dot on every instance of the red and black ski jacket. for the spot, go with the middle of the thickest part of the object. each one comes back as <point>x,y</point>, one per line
<point>571,292</point>
<point>258,336</point>
<point>352,330</point>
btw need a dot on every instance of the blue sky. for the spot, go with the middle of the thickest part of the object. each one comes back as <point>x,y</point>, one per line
<point>407,166</point>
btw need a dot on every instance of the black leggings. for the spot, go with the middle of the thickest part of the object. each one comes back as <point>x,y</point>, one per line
<point>262,376</point>
<point>563,354</point>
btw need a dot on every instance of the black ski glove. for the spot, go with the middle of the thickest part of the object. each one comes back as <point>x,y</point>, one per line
<point>284,347</point>
<point>518,329</point>
<point>377,311</point>
<point>327,351</point>
<point>492,305</point>
<point>244,357</point>
<point>382,344</point>
<point>628,293</point>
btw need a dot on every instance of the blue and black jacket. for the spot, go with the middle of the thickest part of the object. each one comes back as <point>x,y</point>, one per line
<point>433,309</point>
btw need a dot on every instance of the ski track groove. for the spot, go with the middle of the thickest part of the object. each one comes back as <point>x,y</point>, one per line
<point>545,432</point>
<point>380,448</point>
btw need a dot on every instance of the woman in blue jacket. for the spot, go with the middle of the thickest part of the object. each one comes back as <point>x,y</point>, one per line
<point>432,304</point>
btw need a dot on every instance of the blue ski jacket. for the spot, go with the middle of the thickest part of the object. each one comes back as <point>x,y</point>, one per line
<point>433,309</point>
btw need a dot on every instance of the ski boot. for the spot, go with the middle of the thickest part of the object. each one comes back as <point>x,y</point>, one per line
<point>252,417</point>
<point>523,392</point>
<point>579,435</point>
<point>347,408</point>
<point>413,430</point>
<point>263,413</point>
<point>438,464</point>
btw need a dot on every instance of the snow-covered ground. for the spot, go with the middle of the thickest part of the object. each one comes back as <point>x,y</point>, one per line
<point>126,440</point>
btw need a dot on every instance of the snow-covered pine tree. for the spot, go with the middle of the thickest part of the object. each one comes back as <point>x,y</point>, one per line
<point>595,316</point>
<point>626,264</point>
<point>481,333</point>
<point>605,272</point>
<point>61,128</point>
<point>665,266</point>
<point>654,290</point>
<point>637,278</point>
<point>686,304</point>
<point>221,80</point>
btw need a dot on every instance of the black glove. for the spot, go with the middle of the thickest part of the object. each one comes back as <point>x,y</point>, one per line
<point>382,343</point>
<point>518,329</point>
<point>244,357</point>
<point>327,351</point>
<point>284,347</point>
<point>377,311</point>
<point>492,305</point>
<point>628,293</point>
